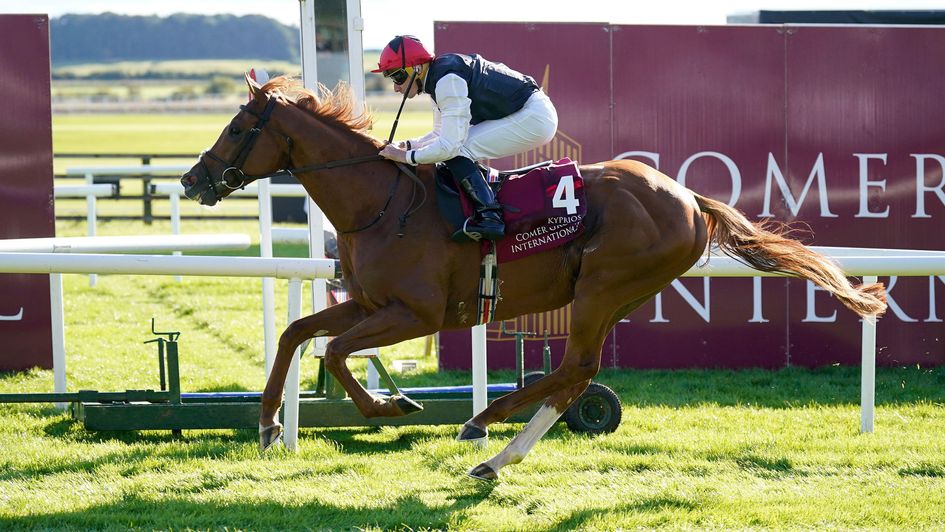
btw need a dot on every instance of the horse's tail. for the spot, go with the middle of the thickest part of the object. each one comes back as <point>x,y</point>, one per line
<point>769,250</point>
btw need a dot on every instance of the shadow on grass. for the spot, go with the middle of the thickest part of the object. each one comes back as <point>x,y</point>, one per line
<point>649,506</point>
<point>144,447</point>
<point>765,467</point>
<point>374,440</point>
<point>407,511</point>
<point>924,470</point>
<point>784,388</point>
<point>140,447</point>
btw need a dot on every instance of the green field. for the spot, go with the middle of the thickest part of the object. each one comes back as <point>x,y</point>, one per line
<point>716,449</point>
<point>187,133</point>
<point>175,134</point>
<point>176,69</point>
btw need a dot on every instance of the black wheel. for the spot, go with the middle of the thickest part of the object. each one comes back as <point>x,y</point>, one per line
<point>596,411</point>
<point>533,376</point>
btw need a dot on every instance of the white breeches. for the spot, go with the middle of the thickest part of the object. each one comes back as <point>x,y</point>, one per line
<point>531,126</point>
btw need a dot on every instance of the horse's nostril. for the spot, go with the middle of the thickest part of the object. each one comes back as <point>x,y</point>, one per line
<point>188,180</point>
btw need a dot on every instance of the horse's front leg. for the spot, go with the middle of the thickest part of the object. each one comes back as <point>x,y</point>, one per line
<point>332,321</point>
<point>386,326</point>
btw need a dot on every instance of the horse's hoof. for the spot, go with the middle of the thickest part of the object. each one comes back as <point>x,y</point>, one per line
<point>269,436</point>
<point>483,472</point>
<point>407,405</point>
<point>470,432</point>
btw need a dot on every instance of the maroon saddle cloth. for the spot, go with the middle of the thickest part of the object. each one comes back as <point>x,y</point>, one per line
<point>543,207</point>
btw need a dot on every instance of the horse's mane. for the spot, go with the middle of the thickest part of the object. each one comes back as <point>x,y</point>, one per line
<point>337,105</point>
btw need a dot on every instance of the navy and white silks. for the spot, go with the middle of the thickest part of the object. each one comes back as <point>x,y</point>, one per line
<point>482,110</point>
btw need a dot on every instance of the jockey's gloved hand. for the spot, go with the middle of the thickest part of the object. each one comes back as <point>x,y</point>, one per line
<point>394,153</point>
<point>402,144</point>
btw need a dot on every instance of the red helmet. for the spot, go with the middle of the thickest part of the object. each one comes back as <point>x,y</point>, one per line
<point>401,52</point>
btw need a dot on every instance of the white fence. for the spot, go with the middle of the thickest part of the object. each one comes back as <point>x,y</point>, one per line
<point>276,190</point>
<point>264,191</point>
<point>84,191</point>
<point>314,235</point>
<point>119,244</point>
<point>293,269</point>
<point>173,191</point>
<point>128,244</point>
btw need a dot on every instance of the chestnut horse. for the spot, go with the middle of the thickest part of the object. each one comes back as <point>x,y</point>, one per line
<point>407,279</point>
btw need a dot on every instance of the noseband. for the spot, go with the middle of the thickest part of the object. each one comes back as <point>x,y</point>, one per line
<point>232,176</point>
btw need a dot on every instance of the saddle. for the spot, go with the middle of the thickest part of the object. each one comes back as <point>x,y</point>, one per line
<point>543,206</point>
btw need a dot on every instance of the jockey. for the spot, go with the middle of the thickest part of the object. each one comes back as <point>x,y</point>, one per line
<point>482,110</point>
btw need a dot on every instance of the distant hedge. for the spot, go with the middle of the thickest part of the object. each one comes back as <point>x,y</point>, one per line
<point>110,37</point>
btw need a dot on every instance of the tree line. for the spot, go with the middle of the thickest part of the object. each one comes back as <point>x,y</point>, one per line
<point>109,37</point>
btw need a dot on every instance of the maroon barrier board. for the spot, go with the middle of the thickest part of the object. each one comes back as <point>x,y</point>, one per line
<point>570,62</point>
<point>26,185</point>
<point>835,127</point>
<point>871,103</point>
<point>565,72</point>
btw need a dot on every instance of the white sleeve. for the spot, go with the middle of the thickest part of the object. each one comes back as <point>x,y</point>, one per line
<point>425,140</point>
<point>452,99</point>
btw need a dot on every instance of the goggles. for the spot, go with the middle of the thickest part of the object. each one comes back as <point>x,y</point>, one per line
<point>397,75</point>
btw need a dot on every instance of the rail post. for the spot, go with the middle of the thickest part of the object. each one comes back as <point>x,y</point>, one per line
<point>146,192</point>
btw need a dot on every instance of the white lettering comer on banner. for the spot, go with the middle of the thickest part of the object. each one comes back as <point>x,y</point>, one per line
<point>817,172</point>
<point>929,181</point>
<point>13,317</point>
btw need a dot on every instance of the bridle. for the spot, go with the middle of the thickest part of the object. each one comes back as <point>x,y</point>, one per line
<point>233,177</point>
<point>234,168</point>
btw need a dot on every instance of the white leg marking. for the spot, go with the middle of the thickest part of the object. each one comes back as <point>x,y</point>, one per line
<point>523,442</point>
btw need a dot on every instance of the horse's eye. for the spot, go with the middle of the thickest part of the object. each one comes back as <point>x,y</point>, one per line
<point>235,131</point>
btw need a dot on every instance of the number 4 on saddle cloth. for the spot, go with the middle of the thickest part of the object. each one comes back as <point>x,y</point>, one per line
<point>542,206</point>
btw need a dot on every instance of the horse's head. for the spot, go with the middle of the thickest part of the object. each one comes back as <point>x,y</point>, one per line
<point>245,151</point>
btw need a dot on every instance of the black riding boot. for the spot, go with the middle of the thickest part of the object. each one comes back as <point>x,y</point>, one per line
<point>487,222</point>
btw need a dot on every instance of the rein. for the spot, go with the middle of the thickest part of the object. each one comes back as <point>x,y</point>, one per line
<point>393,188</point>
<point>390,196</point>
<point>403,169</point>
<point>242,179</point>
<point>324,166</point>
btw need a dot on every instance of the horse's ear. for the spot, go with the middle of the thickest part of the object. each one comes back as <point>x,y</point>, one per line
<point>254,88</point>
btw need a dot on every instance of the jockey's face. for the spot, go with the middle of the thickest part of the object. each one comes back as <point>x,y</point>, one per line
<point>411,89</point>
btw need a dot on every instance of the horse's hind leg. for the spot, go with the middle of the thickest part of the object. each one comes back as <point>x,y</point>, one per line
<point>590,324</point>
<point>523,442</point>
<point>581,361</point>
<point>581,364</point>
